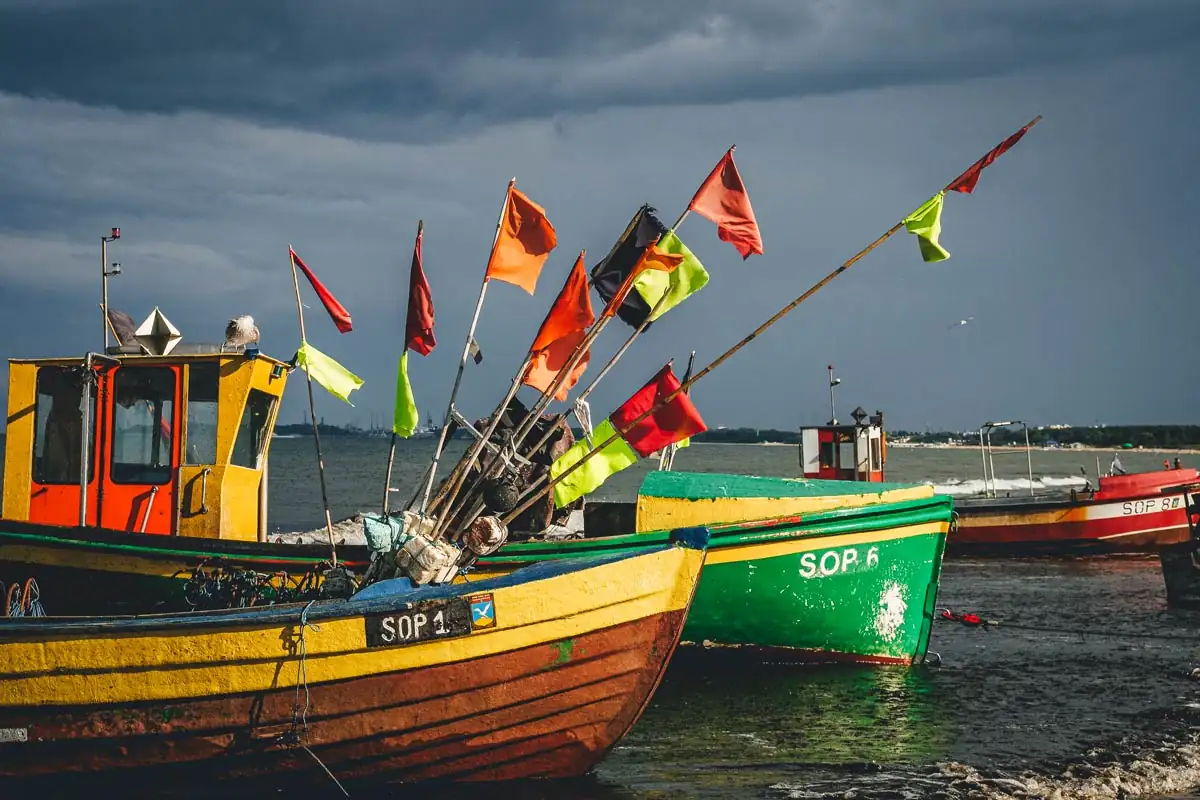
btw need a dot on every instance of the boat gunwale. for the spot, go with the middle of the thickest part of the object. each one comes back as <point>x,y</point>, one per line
<point>988,504</point>
<point>13,629</point>
<point>817,525</point>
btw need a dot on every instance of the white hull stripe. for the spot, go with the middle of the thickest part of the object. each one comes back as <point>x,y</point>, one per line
<point>1143,530</point>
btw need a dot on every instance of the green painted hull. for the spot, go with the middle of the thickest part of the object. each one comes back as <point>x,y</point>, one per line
<point>852,584</point>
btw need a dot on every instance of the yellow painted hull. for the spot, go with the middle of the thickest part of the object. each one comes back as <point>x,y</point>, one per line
<point>582,645</point>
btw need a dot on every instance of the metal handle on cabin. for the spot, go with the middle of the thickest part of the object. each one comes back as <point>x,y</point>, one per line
<point>149,505</point>
<point>204,490</point>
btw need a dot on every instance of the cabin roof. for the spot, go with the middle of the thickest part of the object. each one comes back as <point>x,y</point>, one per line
<point>128,358</point>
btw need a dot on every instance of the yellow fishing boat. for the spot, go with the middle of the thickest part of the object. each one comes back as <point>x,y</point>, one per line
<point>535,674</point>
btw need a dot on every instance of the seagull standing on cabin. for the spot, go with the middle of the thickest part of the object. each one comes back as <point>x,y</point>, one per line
<point>240,332</point>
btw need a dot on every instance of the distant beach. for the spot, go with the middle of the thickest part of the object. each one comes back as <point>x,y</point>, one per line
<point>1018,448</point>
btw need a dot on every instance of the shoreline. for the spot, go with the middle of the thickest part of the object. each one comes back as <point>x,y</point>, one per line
<point>1008,448</point>
<point>999,448</point>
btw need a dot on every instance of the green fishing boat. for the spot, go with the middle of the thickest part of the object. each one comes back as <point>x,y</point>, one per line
<point>797,569</point>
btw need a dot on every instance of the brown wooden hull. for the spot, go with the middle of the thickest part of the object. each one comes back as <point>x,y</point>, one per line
<point>545,711</point>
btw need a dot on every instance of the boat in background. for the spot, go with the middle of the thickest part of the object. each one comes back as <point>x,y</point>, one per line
<point>797,570</point>
<point>1125,513</point>
<point>536,674</point>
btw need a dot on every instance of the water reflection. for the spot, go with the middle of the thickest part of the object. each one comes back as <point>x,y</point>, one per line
<point>754,723</point>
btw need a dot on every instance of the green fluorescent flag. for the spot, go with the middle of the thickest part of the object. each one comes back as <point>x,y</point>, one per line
<point>596,470</point>
<point>336,379</point>
<point>687,278</point>
<point>926,223</point>
<point>406,418</point>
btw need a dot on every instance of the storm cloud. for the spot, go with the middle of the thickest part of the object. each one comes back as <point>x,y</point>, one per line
<point>217,133</point>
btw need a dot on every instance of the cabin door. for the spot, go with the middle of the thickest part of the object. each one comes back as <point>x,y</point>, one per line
<point>140,449</point>
<point>57,438</point>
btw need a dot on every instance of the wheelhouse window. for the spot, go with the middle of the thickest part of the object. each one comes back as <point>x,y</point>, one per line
<point>59,426</point>
<point>846,455</point>
<point>251,441</point>
<point>826,455</point>
<point>203,382</point>
<point>143,419</point>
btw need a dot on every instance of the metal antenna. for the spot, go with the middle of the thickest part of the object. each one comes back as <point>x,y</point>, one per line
<point>832,383</point>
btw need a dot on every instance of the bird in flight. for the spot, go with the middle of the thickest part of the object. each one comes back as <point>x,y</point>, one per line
<point>959,324</point>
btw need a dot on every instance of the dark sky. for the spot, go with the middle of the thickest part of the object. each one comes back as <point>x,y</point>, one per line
<point>216,133</point>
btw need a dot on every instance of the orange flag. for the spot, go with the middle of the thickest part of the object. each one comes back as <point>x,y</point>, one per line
<point>722,199</point>
<point>526,238</point>
<point>561,333</point>
<point>660,260</point>
<point>651,258</point>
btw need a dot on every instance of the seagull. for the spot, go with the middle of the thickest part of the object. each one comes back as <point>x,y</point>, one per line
<point>240,331</point>
<point>959,324</point>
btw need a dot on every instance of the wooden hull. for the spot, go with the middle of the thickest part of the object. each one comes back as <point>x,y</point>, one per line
<point>1133,525</point>
<point>567,666</point>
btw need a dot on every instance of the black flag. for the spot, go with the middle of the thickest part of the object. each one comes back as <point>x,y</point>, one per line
<point>607,276</point>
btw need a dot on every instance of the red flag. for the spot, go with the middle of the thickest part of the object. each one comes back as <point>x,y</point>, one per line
<point>561,333</point>
<point>526,239</point>
<point>674,422</point>
<point>572,310</point>
<point>965,183</point>
<point>337,312</point>
<point>418,324</point>
<point>722,199</point>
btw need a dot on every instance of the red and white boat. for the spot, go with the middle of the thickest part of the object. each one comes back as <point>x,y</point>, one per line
<point>1126,513</point>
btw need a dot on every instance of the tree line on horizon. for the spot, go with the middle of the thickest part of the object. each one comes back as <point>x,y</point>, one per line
<point>1115,436</point>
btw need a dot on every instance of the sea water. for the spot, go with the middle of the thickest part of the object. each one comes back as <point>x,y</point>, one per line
<point>1084,688</point>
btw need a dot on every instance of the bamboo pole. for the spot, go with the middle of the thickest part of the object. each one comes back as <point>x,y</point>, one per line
<point>618,298</point>
<point>721,359</point>
<point>667,460</point>
<point>527,425</point>
<point>312,410</point>
<point>609,312</point>
<point>462,363</point>
<point>387,480</point>
<point>450,489</point>
<point>452,486</point>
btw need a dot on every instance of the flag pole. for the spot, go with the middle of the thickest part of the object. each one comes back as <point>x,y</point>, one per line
<point>449,490</point>
<point>544,400</point>
<point>577,354</point>
<point>584,345</point>
<point>462,362</point>
<point>312,412</point>
<point>721,359</point>
<point>645,323</point>
<point>641,326</point>
<point>671,449</point>
<point>387,480</point>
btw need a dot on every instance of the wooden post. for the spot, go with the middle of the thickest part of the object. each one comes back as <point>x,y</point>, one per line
<point>387,478</point>
<point>462,363</point>
<point>312,410</point>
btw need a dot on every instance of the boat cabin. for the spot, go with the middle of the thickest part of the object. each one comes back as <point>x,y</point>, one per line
<point>845,452</point>
<point>174,444</point>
